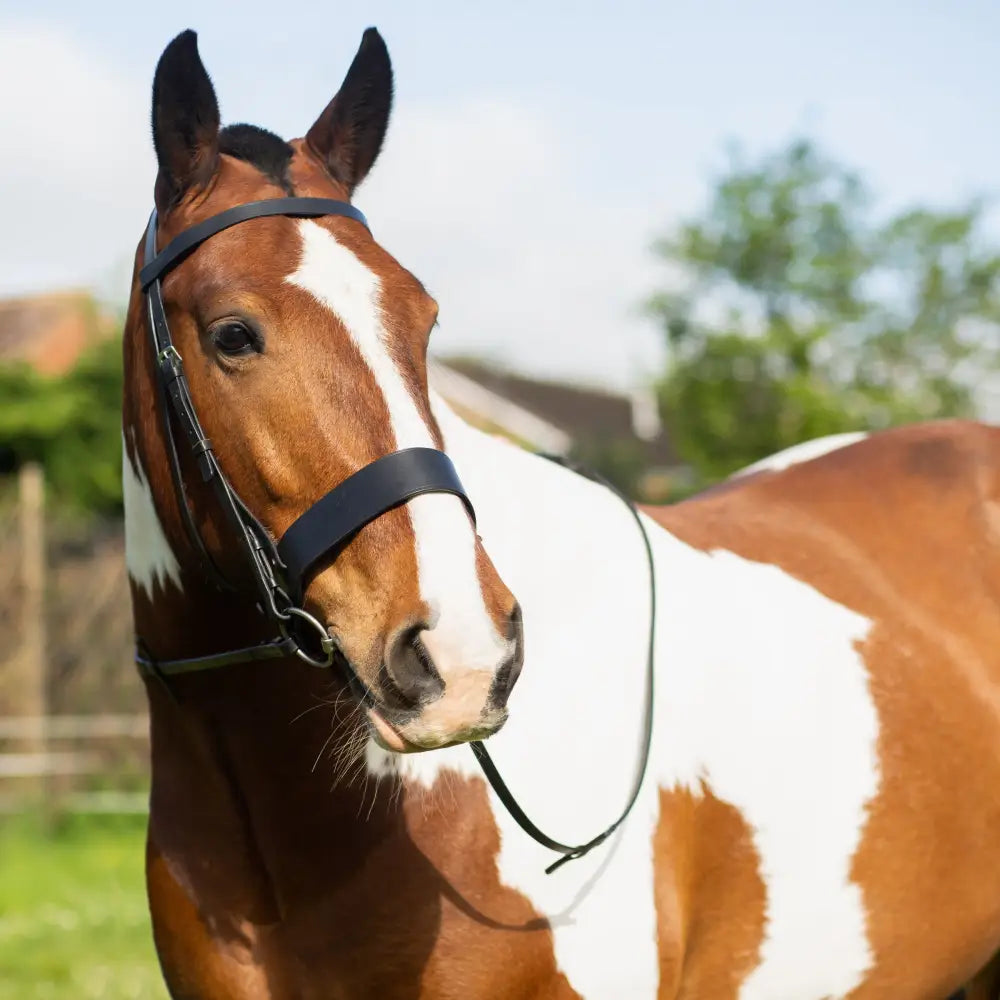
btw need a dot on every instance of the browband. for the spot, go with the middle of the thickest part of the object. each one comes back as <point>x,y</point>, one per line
<point>180,246</point>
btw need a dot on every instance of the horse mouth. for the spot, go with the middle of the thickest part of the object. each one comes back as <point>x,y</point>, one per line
<point>388,737</point>
<point>387,724</point>
<point>386,734</point>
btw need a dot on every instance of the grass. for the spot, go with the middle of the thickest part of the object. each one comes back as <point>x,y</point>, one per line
<point>73,918</point>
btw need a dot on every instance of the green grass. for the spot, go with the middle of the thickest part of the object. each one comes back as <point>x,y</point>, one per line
<point>73,918</point>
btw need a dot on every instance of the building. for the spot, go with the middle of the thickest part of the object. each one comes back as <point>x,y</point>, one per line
<point>618,434</point>
<point>50,332</point>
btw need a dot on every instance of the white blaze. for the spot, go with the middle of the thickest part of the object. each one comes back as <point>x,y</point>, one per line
<point>462,633</point>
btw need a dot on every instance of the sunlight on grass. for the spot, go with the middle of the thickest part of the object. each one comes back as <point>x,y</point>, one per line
<point>73,918</point>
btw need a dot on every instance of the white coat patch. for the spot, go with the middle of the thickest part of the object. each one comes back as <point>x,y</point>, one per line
<point>462,633</point>
<point>804,452</point>
<point>772,708</point>
<point>761,693</point>
<point>148,556</point>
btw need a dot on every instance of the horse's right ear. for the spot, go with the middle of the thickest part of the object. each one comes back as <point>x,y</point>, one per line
<point>348,135</point>
<point>185,121</point>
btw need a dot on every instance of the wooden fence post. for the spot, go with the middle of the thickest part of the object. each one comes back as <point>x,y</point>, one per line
<point>31,688</point>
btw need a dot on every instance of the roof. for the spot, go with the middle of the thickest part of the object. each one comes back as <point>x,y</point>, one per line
<point>49,332</point>
<point>555,415</point>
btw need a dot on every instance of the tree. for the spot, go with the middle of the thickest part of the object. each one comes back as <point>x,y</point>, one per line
<point>70,424</point>
<point>621,461</point>
<point>796,311</point>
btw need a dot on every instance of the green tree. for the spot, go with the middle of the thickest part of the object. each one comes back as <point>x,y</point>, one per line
<point>621,461</point>
<point>796,311</point>
<point>70,424</point>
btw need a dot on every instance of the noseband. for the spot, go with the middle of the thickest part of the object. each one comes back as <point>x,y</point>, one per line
<point>279,570</point>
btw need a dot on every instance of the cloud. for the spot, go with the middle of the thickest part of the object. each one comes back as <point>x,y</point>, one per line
<point>487,200</point>
<point>76,174</point>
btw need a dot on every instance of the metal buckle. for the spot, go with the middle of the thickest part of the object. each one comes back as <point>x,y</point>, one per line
<point>326,641</point>
<point>170,352</point>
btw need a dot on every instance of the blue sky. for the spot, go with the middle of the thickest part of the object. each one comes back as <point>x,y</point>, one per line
<point>534,153</point>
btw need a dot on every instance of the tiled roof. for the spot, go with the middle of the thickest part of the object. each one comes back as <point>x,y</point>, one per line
<point>580,412</point>
<point>48,331</point>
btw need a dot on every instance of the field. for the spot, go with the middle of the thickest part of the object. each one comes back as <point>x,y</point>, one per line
<point>73,917</point>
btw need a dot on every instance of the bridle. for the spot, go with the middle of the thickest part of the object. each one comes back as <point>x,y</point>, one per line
<point>280,569</point>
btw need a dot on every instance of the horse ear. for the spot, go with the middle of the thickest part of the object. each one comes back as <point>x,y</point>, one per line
<point>185,121</point>
<point>348,135</point>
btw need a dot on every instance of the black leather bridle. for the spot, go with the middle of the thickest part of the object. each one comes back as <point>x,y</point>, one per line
<point>280,569</point>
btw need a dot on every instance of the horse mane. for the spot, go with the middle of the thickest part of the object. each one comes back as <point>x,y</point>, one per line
<point>268,152</point>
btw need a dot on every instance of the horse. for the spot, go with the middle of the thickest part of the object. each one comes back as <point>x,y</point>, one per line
<point>820,811</point>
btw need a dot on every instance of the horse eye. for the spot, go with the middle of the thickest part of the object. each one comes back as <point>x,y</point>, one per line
<point>233,338</point>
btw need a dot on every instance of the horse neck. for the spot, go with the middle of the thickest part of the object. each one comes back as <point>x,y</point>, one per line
<point>256,766</point>
<point>248,755</point>
<point>206,726</point>
<point>540,523</point>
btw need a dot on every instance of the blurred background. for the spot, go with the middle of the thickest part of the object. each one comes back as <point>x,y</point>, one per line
<point>667,238</point>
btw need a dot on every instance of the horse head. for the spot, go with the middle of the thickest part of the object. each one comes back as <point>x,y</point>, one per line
<point>304,345</point>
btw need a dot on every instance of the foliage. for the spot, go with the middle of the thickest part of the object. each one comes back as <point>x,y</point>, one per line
<point>799,312</point>
<point>74,922</point>
<point>71,424</point>
<point>621,461</point>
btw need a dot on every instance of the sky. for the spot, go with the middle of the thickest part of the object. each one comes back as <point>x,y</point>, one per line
<point>535,151</point>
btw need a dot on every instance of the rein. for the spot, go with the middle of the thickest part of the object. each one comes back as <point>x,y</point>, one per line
<point>570,853</point>
<point>280,569</point>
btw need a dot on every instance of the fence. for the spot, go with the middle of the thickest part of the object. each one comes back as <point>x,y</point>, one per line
<point>72,723</point>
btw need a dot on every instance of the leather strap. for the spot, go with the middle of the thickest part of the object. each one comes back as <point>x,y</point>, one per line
<point>571,852</point>
<point>208,564</point>
<point>169,372</point>
<point>370,492</point>
<point>182,245</point>
<point>387,483</point>
<point>276,649</point>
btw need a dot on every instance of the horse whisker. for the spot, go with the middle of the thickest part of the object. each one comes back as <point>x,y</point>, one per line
<point>333,732</point>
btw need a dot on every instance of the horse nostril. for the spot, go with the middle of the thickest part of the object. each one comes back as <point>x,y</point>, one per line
<point>515,625</point>
<point>410,668</point>
<point>506,677</point>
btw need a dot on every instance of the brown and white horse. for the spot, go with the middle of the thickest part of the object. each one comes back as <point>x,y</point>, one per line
<point>822,813</point>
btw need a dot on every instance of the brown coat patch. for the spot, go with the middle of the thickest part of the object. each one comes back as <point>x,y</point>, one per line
<point>709,897</point>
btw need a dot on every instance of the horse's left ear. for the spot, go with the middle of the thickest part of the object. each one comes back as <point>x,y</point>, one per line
<point>185,121</point>
<point>348,135</point>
